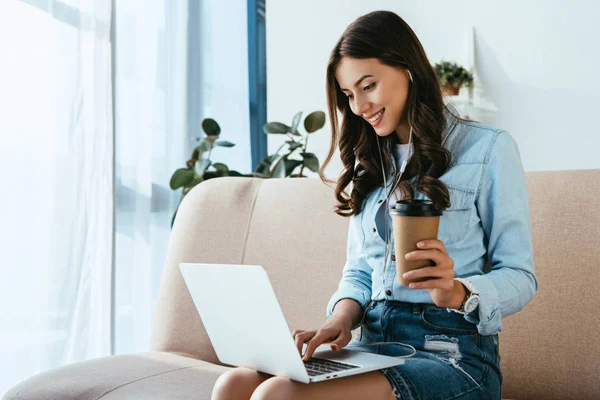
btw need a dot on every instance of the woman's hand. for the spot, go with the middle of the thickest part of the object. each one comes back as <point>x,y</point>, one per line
<point>440,283</point>
<point>336,330</point>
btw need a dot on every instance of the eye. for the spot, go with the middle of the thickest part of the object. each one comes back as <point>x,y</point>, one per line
<point>366,88</point>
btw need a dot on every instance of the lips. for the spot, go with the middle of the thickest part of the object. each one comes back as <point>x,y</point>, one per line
<point>376,119</point>
<point>374,114</point>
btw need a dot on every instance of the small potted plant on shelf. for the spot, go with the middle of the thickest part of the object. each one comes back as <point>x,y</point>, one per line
<point>452,77</point>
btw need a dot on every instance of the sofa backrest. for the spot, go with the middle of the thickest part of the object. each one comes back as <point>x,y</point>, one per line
<point>549,350</point>
<point>286,225</point>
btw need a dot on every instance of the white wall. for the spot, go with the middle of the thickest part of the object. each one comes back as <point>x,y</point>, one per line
<point>538,62</point>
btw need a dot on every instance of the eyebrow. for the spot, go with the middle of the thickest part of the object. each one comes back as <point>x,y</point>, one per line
<point>358,81</point>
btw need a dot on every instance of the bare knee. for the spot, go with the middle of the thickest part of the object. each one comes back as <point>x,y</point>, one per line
<point>275,388</point>
<point>237,383</point>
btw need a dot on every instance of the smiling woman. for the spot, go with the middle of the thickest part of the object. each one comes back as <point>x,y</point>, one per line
<point>386,90</point>
<point>379,92</point>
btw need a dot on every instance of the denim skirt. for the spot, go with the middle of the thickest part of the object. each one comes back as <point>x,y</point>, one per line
<point>452,360</point>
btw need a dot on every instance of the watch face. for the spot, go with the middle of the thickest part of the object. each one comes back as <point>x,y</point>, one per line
<point>471,304</point>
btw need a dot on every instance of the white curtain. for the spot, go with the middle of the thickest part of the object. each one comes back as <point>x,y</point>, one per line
<point>56,160</point>
<point>177,62</point>
<point>151,142</point>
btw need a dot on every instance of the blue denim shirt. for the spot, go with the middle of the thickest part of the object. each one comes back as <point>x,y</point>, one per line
<point>486,230</point>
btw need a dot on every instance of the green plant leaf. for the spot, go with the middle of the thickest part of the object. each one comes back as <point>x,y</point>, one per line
<point>210,127</point>
<point>181,177</point>
<point>314,121</point>
<point>293,145</point>
<point>234,173</point>
<point>201,166</point>
<point>211,174</point>
<point>295,123</point>
<point>264,165</point>
<point>290,166</point>
<point>310,161</point>
<point>224,143</point>
<point>279,171</point>
<point>221,167</point>
<point>276,128</point>
<point>278,167</point>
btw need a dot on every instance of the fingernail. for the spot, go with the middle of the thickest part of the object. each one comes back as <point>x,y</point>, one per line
<point>409,256</point>
<point>412,286</point>
<point>420,244</point>
<point>406,275</point>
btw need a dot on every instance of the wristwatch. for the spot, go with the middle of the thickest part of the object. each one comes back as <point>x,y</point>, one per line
<point>471,300</point>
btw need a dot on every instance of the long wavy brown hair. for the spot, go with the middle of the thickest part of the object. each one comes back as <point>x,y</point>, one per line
<point>388,38</point>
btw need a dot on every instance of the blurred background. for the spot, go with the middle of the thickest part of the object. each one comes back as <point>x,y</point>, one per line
<point>112,110</point>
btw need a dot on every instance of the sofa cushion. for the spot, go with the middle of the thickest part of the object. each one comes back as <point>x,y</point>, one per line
<point>151,375</point>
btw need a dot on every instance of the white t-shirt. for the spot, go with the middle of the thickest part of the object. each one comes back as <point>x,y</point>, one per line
<point>401,151</point>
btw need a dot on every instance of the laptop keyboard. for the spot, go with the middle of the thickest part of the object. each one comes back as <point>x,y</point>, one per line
<point>319,366</point>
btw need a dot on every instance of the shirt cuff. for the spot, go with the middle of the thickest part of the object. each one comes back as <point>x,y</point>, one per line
<point>487,316</point>
<point>361,297</point>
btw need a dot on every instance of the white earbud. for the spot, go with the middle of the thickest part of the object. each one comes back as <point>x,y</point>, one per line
<point>409,75</point>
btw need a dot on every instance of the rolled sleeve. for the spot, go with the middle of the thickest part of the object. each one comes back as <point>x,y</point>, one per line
<point>356,275</point>
<point>503,207</point>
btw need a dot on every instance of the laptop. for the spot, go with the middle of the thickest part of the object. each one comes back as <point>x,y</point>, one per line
<point>247,328</point>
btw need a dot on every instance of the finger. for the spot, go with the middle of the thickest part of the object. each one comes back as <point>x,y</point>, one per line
<point>302,338</point>
<point>428,272</point>
<point>445,284</point>
<point>435,255</point>
<point>340,342</point>
<point>432,244</point>
<point>311,346</point>
<point>297,331</point>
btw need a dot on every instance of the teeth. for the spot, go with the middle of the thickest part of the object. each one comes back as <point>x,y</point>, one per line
<point>376,117</point>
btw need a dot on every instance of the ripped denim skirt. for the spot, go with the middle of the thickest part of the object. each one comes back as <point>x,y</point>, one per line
<point>452,360</point>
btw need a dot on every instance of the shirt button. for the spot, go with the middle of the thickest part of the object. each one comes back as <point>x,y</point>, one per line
<point>388,292</point>
<point>380,201</point>
<point>374,230</point>
<point>393,257</point>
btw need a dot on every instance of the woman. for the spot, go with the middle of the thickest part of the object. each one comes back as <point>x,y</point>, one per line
<point>396,127</point>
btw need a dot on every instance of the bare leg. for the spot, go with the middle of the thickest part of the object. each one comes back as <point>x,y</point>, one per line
<point>238,384</point>
<point>371,385</point>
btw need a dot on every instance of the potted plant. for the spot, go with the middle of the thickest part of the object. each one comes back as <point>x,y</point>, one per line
<point>291,157</point>
<point>452,76</point>
<point>200,167</point>
<point>281,164</point>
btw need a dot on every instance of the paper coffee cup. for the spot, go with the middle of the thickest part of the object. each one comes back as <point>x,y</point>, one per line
<point>412,221</point>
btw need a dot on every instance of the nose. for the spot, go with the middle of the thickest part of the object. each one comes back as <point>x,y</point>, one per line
<point>362,105</point>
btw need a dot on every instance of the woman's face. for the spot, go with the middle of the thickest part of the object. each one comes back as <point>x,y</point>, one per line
<point>376,92</point>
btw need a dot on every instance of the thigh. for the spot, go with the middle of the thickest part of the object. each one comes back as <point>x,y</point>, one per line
<point>238,383</point>
<point>370,385</point>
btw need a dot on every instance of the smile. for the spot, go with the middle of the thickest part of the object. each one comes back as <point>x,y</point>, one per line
<point>375,119</point>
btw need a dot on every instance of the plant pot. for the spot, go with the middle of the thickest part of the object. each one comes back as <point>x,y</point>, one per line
<point>451,90</point>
